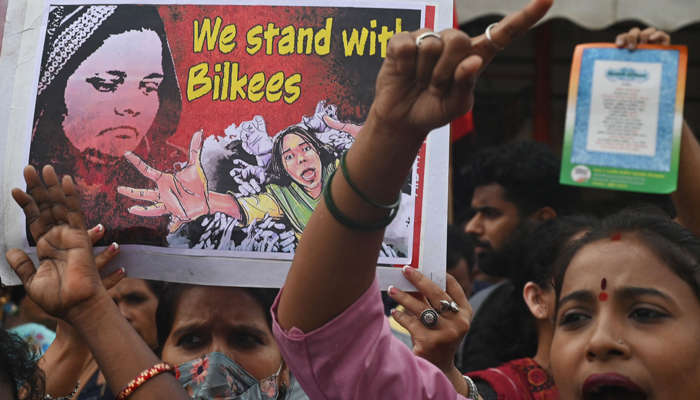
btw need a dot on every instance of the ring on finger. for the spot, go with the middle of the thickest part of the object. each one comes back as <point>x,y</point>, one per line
<point>424,35</point>
<point>429,318</point>
<point>448,306</point>
<point>490,39</point>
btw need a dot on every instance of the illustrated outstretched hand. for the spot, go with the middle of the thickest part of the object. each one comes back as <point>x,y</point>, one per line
<point>183,195</point>
<point>67,279</point>
<point>636,36</point>
<point>248,177</point>
<point>420,88</point>
<point>440,343</point>
<point>254,137</point>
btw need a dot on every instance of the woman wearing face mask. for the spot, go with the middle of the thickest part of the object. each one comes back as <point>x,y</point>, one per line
<point>100,96</point>
<point>229,350</point>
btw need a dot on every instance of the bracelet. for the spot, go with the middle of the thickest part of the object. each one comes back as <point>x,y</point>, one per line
<point>357,191</point>
<point>343,219</point>
<point>143,377</point>
<point>69,397</point>
<point>473,391</point>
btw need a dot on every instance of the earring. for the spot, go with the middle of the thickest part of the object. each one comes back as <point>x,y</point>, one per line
<point>620,341</point>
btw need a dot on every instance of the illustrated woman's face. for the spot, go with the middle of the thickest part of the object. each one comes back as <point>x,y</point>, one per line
<point>112,98</point>
<point>226,320</point>
<point>301,161</point>
<point>627,327</point>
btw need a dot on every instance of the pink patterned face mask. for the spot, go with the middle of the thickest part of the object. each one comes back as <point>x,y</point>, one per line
<point>216,376</point>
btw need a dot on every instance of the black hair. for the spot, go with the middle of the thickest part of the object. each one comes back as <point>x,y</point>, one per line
<point>460,246</point>
<point>170,297</point>
<point>513,325</point>
<point>676,246</point>
<point>18,368</point>
<point>278,173</point>
<point>49,143</point>
<point>156,287</point>
<point>529,173</point>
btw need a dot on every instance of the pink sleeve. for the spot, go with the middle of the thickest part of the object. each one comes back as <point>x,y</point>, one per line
<point>355,356</point>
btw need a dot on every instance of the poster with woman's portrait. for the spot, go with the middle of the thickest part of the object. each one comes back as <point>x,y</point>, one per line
<point>202,136</point>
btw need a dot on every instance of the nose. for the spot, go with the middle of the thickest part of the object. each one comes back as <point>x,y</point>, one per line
<point>125,310</point>
<point>126,100</point>
<point>475,226</point>
<point>606,342</point>
<point>301,159</point>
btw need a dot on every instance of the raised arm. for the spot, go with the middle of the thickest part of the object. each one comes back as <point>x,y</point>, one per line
<point>66,357</point>
<point>687,197</point>
<point>419,88</point>
<point>67,286</point>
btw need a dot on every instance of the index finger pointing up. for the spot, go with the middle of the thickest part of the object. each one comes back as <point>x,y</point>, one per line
<point>513,26</point>
<point>150,173</point>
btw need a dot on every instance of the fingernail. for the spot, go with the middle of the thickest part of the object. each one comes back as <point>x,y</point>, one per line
<point>98,228</point>
<point>121,271</point>
<point>114,247</point>
<point>393,311</point>
<point>631,46</point>
<point>392,290</point>
<point>407,269</point>
<point>619,42</point>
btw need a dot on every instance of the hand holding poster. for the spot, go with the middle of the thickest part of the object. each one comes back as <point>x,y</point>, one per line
<point>209,130</point>
<point>623,122</point>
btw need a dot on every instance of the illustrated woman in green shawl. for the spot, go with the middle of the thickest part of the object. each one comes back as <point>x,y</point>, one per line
<point>299,166</point>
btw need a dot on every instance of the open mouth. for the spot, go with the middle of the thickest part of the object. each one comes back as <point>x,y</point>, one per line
<point>120,132</point>
<point>309,174</point>
<point>611,387</point>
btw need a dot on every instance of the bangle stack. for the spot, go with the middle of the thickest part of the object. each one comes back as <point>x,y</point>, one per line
<point>345,220</point>
<point>143,377</point>
<point>473,391</point>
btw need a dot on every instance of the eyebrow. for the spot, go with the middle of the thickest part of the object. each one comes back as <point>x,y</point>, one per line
<point>120,74</point>
<point>300,144</point>
<point>633,291</point>
<point>153,75</point>
<point>580,295</point>
<point>199,326</point>
<point>486,209</point>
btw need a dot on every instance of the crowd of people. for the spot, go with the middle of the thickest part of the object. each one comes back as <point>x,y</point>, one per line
<point>540,302</point>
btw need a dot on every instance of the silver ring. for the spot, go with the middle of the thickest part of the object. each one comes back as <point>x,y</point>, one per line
<point>429,318</point>
<point>454,307</point>
<point>445,305</point>
<point>424,35</point>
<point>490,39</point>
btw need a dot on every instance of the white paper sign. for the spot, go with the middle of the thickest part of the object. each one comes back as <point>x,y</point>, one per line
<point>624,107</point>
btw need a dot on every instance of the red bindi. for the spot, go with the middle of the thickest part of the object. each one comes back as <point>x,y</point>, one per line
<point>616,236</point>
<point>603,284</point>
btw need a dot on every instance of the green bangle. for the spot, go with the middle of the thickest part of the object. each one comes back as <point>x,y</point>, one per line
<point>357,191</point>
<point>347,222</point>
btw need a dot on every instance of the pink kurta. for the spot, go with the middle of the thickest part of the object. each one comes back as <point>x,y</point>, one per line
<point>355,356</point>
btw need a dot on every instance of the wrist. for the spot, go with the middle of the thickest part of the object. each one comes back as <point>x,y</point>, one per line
<point>458,381</point>
<point>224,203</point>
<point>86,315</point>
<point>400,135</point>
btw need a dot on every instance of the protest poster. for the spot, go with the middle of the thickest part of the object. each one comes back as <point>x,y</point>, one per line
<point>201,134</point>
<point>624,118</point>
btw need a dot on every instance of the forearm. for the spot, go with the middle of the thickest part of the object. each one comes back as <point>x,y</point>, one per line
<point>121,353</point>
<point>339,263</point>
<point>687,197</point>
<point>224,203</point>
<point>63,361</point>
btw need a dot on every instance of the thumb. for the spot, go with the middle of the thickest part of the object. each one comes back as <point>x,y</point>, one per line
<point>22,265</point>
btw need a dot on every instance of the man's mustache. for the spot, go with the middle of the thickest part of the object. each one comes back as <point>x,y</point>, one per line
<point>482,243</point>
